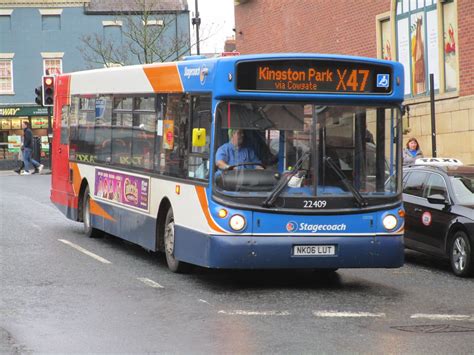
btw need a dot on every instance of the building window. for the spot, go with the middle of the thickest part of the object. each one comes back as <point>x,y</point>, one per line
<point>52,66</point>
<point>417,44</point>
<point>112,30</point>
<point>51,22</point>
<point>5,20</point>
<point>6,76</point>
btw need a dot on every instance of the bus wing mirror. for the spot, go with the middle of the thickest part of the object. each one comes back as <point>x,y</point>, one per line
<point>199,137</point>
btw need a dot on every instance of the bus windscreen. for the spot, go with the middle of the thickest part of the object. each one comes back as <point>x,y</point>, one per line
<point>314,76</point>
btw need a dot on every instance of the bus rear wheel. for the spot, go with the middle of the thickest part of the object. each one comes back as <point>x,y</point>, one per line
<point>89,231</point>
<point>173,264</point>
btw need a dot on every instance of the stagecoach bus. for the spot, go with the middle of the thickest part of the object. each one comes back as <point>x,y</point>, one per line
<point>313,180</point>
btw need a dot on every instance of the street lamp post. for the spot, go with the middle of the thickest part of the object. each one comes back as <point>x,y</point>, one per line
<point>197,21</point>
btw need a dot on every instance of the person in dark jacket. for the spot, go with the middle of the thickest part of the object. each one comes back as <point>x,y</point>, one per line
<point>28,150</point>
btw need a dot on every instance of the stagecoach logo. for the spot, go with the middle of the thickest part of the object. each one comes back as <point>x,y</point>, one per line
<point>291,226</point>
<point>314,228</point>
<point>199,71</point>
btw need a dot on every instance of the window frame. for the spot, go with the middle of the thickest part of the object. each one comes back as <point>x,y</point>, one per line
<point>12,90</point>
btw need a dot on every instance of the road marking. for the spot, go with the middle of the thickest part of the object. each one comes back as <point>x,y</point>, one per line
<point>36,226</point>
<point>203,301</point>
<point>255,313</point>
<point>85,251</point>
<point>440,316</point>
<point>149,282</point>
<point>336,314</point>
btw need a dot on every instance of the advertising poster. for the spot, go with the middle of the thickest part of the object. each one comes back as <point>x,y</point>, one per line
<point>14,144</point>
<point>39,122</point>
<point>6,124</point>
<point>404,51</point>
<point>432,44</point>
<point>44,144</point>
<point>124,189</point>
<point>450,52</point>
<point>168,134</point>
<point>16,123</point>
<point>418,41</point>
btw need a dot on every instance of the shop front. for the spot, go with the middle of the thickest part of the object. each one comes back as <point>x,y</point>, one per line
<point>11,132</point>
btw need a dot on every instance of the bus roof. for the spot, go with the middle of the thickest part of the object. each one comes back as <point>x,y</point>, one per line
<point>278,76</point>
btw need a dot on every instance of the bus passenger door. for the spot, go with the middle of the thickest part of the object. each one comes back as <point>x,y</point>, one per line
<point>61,187</point>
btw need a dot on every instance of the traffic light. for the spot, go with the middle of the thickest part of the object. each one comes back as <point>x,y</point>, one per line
<point>48,90</point>
<point>39,95</point>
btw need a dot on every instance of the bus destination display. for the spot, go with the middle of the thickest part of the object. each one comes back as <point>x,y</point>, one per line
<point>314,76</point>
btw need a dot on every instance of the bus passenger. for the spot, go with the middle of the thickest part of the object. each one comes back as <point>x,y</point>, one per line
<point>235,153</point>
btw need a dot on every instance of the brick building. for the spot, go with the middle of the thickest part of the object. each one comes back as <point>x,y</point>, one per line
<point>426,36</point>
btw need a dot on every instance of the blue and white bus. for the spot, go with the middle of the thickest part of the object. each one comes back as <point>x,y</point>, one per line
<point>146,153</point>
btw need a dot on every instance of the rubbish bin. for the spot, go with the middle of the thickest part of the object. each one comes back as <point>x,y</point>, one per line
<point>36,154</point>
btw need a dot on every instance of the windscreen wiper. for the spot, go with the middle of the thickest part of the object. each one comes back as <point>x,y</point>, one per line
<point>270,200</point>
<point>340,174</point>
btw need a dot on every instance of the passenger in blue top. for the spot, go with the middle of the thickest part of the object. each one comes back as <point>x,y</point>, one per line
<point>234,153</point>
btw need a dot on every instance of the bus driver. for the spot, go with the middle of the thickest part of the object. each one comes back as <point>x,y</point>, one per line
<point>234,153</point>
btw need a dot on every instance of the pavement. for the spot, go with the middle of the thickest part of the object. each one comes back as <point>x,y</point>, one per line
<point>12,173</point>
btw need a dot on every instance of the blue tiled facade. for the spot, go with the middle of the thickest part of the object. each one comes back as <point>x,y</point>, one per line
<point>29,36</point>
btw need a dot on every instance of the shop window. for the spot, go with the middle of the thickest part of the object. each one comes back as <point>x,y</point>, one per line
<point>6,76</point>
<point>51,22</point>
<point>418,46</point>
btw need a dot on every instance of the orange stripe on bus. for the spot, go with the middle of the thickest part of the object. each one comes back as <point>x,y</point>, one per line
<point>99,211</point>
<point>76,179</point>
<point>164,78</point>
<point>205,208</point>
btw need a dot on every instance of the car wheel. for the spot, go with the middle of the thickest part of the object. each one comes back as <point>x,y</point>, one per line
<point>461,254</point>
<point>89,231</point>
<point>173,264</point>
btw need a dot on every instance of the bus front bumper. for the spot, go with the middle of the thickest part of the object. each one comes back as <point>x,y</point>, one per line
<point>278,252</point>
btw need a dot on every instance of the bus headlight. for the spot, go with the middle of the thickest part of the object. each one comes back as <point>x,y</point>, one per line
<point>237,222</point>
<point>389,222</point>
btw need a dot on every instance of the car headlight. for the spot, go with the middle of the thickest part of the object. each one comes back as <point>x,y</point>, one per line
<point>237,222</point>
<point>389,222</point>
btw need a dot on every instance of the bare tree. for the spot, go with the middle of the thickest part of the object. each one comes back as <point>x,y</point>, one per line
<point>147,37</point>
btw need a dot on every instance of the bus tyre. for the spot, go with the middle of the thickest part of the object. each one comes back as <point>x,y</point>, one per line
<point>173,264</point>
<point>89,231</point>
<point>460,254</point>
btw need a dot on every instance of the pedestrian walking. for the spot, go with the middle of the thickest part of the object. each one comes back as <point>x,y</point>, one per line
<point>28,150</point>
<point>412,152</point>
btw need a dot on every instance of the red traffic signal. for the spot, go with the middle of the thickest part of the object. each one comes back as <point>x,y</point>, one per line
<point>48,90</point>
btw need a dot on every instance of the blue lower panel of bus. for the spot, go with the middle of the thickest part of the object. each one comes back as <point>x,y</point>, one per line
<point>267,252</point>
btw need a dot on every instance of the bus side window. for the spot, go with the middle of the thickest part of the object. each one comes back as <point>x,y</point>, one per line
<point>103,129</point>
<point>171,147</point>
<point>64,139</point>
<point>198,164</point>
<point>144,127</point>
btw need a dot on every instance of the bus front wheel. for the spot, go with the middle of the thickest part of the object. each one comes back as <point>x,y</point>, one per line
<point>89,231</point>
<point>173,264</point>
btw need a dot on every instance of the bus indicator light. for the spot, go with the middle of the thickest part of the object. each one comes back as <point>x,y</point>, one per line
<point>177,189</point>
<point>222,213</point>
